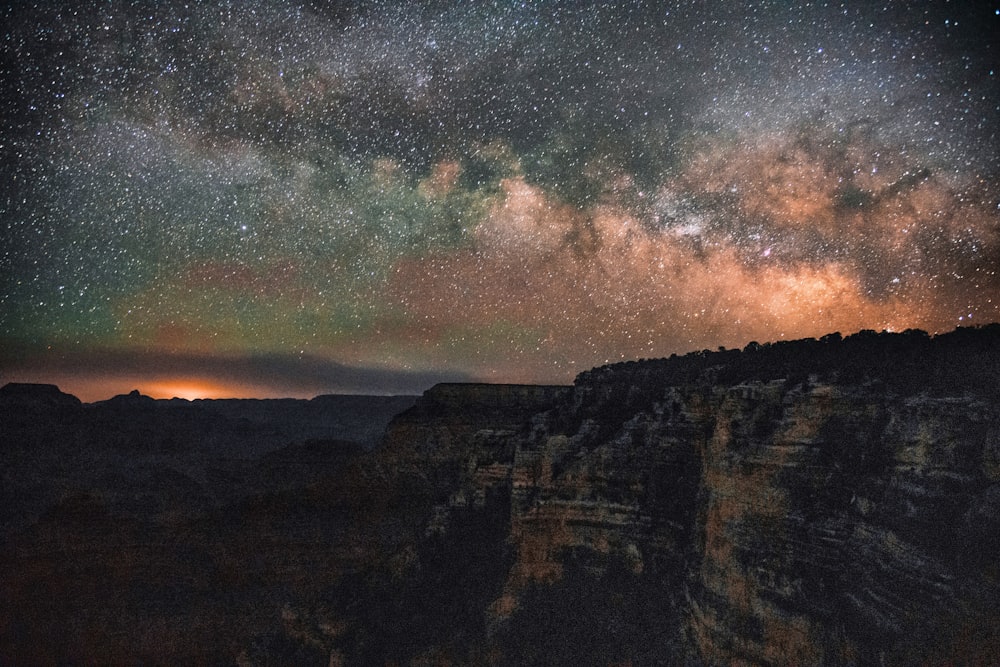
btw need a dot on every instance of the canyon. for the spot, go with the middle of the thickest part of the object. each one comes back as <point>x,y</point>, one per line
<point>823,501</point>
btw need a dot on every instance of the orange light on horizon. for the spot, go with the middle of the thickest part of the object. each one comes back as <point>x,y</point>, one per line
<point>188,389</point>
<point>91,388</point>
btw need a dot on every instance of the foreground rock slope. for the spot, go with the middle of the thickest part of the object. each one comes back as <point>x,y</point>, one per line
<point>827,501</point>
<point>832,501</point>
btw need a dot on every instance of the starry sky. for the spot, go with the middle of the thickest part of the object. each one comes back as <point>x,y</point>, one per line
<point>279,198</point>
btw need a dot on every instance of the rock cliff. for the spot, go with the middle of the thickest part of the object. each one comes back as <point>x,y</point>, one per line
<point>832,501</point>
<point>784,504</point>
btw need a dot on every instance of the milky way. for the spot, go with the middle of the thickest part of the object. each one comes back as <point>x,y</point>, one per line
<point>286,198</point>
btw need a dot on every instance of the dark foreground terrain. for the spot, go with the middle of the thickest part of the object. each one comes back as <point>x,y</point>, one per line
<point>832,501</point>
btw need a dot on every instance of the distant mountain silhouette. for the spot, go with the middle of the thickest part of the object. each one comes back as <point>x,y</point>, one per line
<point>35,396</point>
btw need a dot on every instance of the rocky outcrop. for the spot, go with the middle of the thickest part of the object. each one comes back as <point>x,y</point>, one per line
<point>455,430</point>
<point>755,520</point>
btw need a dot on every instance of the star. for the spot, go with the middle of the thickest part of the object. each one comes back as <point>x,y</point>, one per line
<point>514,192</point>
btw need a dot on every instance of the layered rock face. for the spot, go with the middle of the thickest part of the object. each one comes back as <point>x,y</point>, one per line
<point>834,526</point>
<point>657,513</point>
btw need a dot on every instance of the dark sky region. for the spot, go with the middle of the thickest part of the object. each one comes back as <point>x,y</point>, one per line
<point>260,198</point>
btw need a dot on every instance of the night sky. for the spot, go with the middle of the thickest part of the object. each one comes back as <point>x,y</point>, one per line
<point>288,198</point>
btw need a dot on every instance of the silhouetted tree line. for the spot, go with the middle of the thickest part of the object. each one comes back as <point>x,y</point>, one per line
<point>963,361</point>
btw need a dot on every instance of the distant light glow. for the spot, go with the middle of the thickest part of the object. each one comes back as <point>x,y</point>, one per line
<point>188,389</point>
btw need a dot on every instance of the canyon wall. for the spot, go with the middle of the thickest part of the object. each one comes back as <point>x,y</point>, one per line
<point>832,501</point>
<point>657,513</point>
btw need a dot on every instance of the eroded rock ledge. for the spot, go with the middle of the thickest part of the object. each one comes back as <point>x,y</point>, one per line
<point>688,511</point>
